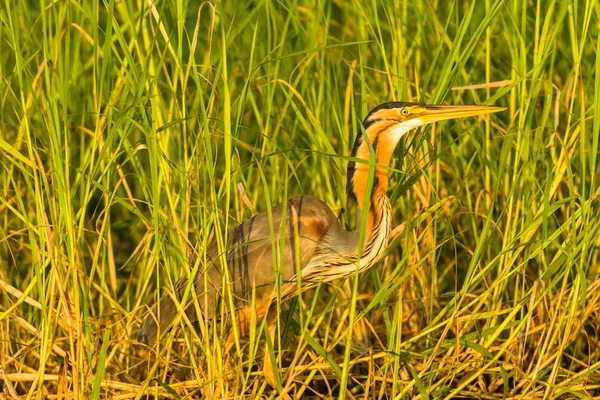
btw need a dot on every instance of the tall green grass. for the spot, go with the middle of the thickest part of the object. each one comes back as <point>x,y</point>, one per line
<point>135,134</point>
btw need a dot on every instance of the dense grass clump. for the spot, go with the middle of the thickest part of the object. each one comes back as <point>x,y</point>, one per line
<point>135,134</point>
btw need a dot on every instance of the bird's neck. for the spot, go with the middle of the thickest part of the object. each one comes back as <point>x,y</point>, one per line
<point>370,196</point>
<point>376,205</point>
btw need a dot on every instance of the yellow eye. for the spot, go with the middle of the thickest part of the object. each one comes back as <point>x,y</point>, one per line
<point>404,111</point>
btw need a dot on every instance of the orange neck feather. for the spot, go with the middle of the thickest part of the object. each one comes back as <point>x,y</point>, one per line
<point>358,172</point>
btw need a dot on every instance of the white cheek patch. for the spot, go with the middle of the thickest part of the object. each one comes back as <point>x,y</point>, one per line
<point>400,130</point>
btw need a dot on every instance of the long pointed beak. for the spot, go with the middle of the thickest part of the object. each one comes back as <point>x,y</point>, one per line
<point>434,113</point>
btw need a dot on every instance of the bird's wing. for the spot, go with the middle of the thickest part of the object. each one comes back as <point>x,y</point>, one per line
<point>254,257</point>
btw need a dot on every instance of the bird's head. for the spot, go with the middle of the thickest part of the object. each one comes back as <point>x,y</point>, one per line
<point>387,123</point>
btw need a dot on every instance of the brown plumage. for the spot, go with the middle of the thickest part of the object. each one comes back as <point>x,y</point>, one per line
<point>326,250</point>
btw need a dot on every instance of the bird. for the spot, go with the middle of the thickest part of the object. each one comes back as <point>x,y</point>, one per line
<point>301,243</point>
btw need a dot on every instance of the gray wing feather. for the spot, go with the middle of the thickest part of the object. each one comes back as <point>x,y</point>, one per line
<point>250,261</point>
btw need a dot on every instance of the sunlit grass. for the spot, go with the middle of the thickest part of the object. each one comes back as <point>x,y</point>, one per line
<point>135,134</point>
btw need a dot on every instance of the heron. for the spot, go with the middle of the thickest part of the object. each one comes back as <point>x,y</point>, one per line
<point>316,248</point>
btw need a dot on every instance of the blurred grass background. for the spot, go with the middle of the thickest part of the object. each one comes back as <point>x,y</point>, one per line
<point>134,134</point>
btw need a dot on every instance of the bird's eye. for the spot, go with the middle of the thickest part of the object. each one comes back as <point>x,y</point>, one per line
<point>404,111</point>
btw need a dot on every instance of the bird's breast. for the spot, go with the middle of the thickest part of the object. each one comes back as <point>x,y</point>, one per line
<point>329,266</point>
